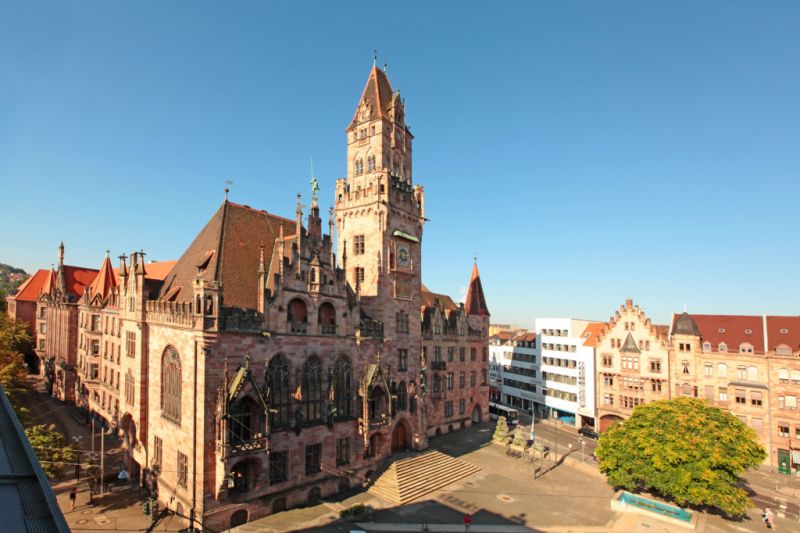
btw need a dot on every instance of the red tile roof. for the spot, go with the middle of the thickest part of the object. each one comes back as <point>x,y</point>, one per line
<point>429,299</point>
<point>235,234</point>
<point>783,330</point>
<point>78,279</point>
<point>29,290</point>
<point>157,270</point>
<point>733,330</point>
<point>592,333</point>
<point>476,302</point>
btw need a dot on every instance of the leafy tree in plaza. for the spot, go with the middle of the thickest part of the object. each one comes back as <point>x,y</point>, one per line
<point>520,438</point>
<point>51,449</point>
<point>501,431</point>
<point>14,340</point>
<point>683,449</point>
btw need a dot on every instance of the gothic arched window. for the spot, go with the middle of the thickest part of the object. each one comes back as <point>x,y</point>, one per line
<point>312,389</point>
<point>278,392</point>
<point>370,163</point>
<point>359,167</point>
<point>327,319</point>
<point>244,421</point>
<point>342,387</point>
<point>171,385</point>
<point>402,396</point>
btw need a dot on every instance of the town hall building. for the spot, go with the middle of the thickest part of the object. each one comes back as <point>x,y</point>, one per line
<point>272,364</point>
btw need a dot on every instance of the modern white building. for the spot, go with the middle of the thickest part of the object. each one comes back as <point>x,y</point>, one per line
<point>565,370</point>
<point>512,369</point>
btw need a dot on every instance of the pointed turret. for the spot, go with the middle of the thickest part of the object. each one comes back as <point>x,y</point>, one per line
<point>61,278</point>
<point>476,302</point>
<point>104,282</point>
<point>50,282</point>
<point>375,100</point>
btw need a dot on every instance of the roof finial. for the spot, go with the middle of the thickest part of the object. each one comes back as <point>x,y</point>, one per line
<point>228,183</point>
<point>107,253</point>
<point>374,57</point>
<point>475,258</point>
<point>385,67</point>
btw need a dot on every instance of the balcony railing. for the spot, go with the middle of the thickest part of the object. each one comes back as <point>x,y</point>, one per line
<point>250,446</point>
<point>370,328</point>
<point>438,365</point>
<point>378,423</point>
<point>327,329</point>
<point>298,327</point>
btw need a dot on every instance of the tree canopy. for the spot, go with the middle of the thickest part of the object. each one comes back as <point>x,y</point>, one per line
<point>683,449</point>
<point>14,340</point>
<point>51,449</point>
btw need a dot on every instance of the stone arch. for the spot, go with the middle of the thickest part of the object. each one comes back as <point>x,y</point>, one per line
<point>314,496</point>
<point>238,518</point>
<point>401,436</point>
<point>606,421</point>
<point>477,414</point>
<point>244,475</point>
<point>297,311</point>
<point>128,426</point>
<point>326,317</point>
<point>171,384</point>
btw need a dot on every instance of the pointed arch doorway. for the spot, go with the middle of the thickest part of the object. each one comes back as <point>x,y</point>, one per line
<point>400,437</point>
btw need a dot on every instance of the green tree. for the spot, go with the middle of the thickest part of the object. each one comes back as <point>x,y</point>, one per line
<point>683,449</point>
<point>51,449</point>
<point>520,438</point>
<point>14,340</point>
<point>501,430</point>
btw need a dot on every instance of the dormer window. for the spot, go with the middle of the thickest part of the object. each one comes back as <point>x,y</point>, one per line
<point>748,332</point>
<point>706,346</point>
<point>723,347</point>
<point>722,330</point>
<point>745,348</point>
<point>784,331</point>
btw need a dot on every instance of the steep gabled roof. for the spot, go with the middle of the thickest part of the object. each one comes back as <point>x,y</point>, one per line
<point>227,250</point>
<point>377,94</point>
<point>476,302</point>
<point>29,290</point>
<point>104,282</point>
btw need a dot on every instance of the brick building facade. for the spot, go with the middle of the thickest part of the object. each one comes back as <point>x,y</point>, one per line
<point>272,364</point>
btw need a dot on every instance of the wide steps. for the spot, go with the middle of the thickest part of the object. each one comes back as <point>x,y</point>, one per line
<point>409,479</point>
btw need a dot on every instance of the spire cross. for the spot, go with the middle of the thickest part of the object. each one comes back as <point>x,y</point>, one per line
<point>374,57</point>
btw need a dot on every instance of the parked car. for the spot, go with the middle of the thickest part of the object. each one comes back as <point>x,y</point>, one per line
<point>586,431</point>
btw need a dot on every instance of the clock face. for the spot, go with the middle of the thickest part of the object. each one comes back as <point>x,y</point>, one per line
<point>403,255</point>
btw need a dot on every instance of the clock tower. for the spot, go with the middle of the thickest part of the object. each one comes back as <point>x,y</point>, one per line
<point>380,212</point>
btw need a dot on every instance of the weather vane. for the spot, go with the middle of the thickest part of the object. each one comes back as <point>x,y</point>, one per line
<point>228,183</point>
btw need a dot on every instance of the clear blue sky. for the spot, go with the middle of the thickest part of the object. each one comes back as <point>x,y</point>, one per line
<point>588,151</point>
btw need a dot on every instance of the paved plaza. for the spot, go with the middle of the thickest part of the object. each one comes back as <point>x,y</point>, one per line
<point>504,497</point>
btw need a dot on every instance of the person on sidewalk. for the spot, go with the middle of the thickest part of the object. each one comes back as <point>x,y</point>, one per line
<point>73,495</point>
<point>769,518</point>
<point>467,522</point>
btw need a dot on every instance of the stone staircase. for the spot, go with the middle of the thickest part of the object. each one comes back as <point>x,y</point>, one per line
<point>406,480</point>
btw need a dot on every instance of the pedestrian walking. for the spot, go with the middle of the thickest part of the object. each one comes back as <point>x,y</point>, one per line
<point>768,517</point>
<point>467,522</point>
<point>73,495</point>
